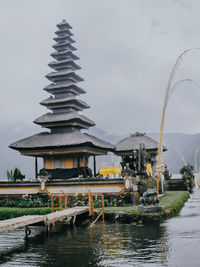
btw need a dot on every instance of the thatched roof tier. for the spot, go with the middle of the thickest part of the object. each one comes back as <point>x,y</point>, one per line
<point>64,64</point>
<point>64,75</point>
<point>50,120</point>
<point>57,88</point>
<point>128,144</point>
<point>62,102</point>
<point>58,143</point>
<point>61,55</point>
<point>64,32</point>
<point>64,46</point>
<point>64,38</point>
<point>64,25</point>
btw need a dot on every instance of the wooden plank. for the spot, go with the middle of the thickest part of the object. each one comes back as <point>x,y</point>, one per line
<point>20,222</point>
<point>60,215</point>
<point>47,219</point>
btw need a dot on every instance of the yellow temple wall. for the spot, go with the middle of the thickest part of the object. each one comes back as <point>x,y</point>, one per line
<point>48,163</point>
<point>67,162</point>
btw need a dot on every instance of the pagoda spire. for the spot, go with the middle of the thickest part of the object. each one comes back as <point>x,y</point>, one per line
<point>65,149</point>
<point>63,102</point>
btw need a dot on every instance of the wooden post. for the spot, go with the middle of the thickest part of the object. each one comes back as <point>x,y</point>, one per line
<point>36,168</point>
<point>60,202</point>
<point>78,163</point>
<point>102,207</point>
<point>91,205</point>
<point>94,159</point>
<point>51,203</point>
<point>65,199</point>
<point>74,220</point>
<point>89,202</point>
<point>27,231</point>
<point>92,224</point>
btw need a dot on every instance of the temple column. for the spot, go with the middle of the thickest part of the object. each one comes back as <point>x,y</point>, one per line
<point>94,161</point>
<point>36,168</point>
<point>78,163</point>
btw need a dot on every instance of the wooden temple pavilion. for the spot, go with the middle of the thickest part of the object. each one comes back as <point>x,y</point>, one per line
<point>64,148</point>
<point>126,146</point>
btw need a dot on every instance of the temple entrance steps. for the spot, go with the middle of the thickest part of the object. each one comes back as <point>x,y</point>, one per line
<point>47,220</point>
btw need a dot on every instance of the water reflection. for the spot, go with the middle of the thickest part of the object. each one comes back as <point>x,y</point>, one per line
<point>172,243</point>
<point>103,245</point>
<point>127,244</point>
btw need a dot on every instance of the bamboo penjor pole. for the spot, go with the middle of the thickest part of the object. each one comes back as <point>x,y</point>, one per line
<point>169,90</point>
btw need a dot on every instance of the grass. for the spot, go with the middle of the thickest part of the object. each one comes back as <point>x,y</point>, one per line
<point>171,196</point>
<point>127,209</point>
<point>172,202</point>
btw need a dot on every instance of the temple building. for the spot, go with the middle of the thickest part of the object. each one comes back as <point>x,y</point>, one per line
<point>64,148</point>
<point>129,145</point>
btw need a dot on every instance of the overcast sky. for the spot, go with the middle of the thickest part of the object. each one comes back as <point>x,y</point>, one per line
<point>127,49</point>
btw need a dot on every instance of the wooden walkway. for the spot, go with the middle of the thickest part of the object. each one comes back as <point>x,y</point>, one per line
<point>20,222</point>
<point>48,219</point>
<point>64,214</point>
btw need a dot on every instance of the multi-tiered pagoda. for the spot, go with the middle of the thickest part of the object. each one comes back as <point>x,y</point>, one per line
<point>65,149</point>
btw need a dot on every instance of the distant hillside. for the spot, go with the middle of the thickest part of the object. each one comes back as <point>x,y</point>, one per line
<point>11,158</point>
<point>173,141</point>
<point>177,143</point>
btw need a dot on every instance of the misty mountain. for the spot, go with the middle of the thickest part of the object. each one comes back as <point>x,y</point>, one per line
<point>178,145</point>
<point>11,158</point>
<point>181,147</point>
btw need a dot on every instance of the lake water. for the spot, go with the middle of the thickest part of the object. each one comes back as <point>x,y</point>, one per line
<point>175,242</point>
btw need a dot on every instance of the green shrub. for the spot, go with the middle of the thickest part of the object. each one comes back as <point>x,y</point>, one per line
<point>10,175</point>
<point>174,208</point>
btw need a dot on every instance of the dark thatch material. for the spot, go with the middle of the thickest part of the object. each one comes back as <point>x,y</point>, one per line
<point>133,142</point>
<point>64,75</point>
<point>64,87</point>
<point>63,117</point>
<point>68,139</point>
<point>64,25</point>
<point>63,46</point>
<point>64,54</point>
<point>63,38</point>
<point>64,31</point>
<point>64,100</point>
<point>62,64</point>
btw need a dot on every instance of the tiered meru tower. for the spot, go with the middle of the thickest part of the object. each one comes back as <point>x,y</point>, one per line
<point>65,149</point>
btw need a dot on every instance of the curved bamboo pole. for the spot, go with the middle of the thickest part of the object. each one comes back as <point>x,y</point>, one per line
<point>181,155</point>
<point>168,91</point>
